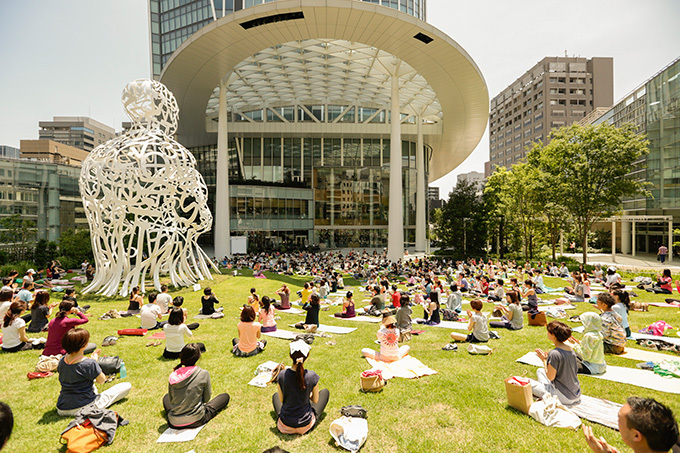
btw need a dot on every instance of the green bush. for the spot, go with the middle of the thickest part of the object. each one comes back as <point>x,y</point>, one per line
<point>21,267</point>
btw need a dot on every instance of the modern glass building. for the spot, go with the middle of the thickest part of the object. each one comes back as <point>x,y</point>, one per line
<point>654,109</point>
<point>309,119</point>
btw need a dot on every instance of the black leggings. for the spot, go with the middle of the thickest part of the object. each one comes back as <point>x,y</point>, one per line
<point>501,325</point>
<point>317,407</point>
<point>175,355</point>
<point>212,408</point>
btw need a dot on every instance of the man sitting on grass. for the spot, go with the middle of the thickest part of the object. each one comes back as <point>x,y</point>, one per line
<point>645,426</point>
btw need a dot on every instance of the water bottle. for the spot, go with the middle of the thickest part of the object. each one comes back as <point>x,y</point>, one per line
<point>123,371</point>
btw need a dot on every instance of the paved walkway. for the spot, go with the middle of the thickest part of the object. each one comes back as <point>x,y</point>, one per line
<point>640,262</point>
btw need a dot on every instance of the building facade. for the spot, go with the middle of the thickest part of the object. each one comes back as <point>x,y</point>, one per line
<point>9,151</point>
<point>654,109</point>
<point>76,131</point>
<point>556,92</point>
<point>44,193</point>
<point>293,127</point>
<point>50,151</point>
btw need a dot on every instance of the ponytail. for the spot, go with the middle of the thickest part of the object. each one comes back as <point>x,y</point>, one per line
<point>12,313</point>
<point>65,308</point>
<point>299,360</point>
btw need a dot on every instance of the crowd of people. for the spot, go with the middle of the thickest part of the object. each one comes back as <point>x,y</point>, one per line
<point>437,285</point>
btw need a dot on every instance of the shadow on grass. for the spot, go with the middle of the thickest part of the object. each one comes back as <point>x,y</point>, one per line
<point>51,417</point>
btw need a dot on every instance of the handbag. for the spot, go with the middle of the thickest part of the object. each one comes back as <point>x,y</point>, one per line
<point>83,438</point>
<point>478,349</point>
<point>110,364</point>
<point>373,382</point>
<point>537,319</point>
<point>519,394</point>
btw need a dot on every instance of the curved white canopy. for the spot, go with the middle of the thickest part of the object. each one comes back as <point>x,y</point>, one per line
<point>440,78</point>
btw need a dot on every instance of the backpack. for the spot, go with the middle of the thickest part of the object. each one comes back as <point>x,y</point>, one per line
<point>449,315</point>
<point>83,438</point>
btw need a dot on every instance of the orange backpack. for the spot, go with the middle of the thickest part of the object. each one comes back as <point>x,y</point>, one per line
<point>83,438</point>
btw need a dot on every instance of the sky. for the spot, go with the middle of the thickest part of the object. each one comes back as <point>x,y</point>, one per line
<point>73,57</point>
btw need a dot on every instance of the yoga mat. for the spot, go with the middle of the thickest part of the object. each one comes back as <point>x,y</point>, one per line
<point>665,304</point>
<point>450,325</point>
<point>158,336</point>
<point>332,329</point>
<point>644,336</point>
<point>642,355</point>
<point>202,316</point>
<point>598,410</point>
<point>179,435</point>
<point>563,307</point>
<point>283,334</point>
<point>633,376</point>
<point>407,367</point>
<point>372,319</point>
<point>292,311</point>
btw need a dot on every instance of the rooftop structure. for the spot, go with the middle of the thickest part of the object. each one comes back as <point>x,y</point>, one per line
<point>76,131</point>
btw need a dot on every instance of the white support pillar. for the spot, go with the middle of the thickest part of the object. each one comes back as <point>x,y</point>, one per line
<point>670,241</point>
<point>633,238</point>
<point>221,234</point>
<point>421,210</point>
<point>613,242</point>
<point>395,232</point>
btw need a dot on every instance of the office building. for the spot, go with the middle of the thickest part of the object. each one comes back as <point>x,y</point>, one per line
<point>307,117</point>
<point>654,109</point>
<point>50,151</point>
<point>9,151</point>
<point>555,92</point>
<point>77,131</point>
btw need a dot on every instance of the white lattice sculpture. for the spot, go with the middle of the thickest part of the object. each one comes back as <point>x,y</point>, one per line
<point>144,199</point>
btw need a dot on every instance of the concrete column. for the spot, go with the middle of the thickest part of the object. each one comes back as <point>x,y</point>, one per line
<point>421,211</point>
<point>625,237</point>
<point>613,242</point>
<point>670,241</point>
<point>395,232</point>
<point>221,234</point>
<point>633,238</point>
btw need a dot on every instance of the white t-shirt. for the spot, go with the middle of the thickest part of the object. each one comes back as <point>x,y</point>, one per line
<point>163,300</point>
<point>3,309</point>
<point>149,314</point>
<point>174,337</point>
<point>10,334</point>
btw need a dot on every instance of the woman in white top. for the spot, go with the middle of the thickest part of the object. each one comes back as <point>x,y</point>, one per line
<point>14,337</point>
<point>175,331</point>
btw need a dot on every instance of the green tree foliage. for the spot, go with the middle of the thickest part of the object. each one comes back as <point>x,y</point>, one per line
<point>462,225</point>
<point>45,252</point>
<point>17,235</point>
<point>588,167</point>
<point>74,247</point>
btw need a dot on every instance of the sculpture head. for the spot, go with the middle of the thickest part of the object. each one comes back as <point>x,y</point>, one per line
<point>151,105</point>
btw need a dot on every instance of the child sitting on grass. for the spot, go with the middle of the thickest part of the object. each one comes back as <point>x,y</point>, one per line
<point>613,333</point>
<point>590,350</point>
<point>479,331</point>
<point>247,343</point>
<point>559,373</point>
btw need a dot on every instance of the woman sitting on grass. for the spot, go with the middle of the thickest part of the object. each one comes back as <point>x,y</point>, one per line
<point>664,283</point>
<point>388,336</point>
<point>14,329</point>
<point>77,374</point>
<point>266,315</point>
<point>135,303</point>
<point>298,402</point>
<point>175,331</point>
<point>284,294</point>
<point>513,316</point>
<point>40,312</point>
<point>479,331</point>
<point>62,324</point>
<point>312,307</point>
<point>187,403</point>
<point>559,373</point>
<point>208,301</point>
<point>613,333</point>
<point>621,308</point>
<point>247,343</point>
<point>347,307</point>
<point>431,310</point>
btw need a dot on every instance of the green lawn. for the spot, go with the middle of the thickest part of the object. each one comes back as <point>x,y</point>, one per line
<point>461,409</point>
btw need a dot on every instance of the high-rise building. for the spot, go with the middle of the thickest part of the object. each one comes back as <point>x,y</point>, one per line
<point>50,151</point>
<point>556,92</point>
<point>9,151</point>
<point>77,131</point>
<point>308,117</point>
<point>654,109</point>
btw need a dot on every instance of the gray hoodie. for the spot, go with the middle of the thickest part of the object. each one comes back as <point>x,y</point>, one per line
<point>189,390</point>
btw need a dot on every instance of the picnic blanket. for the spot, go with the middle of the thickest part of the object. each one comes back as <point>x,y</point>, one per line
<point>633,376</point>
<point>598,410</point>
<point>407,367</point>
<point>282,334</point>
<point>373,319</point>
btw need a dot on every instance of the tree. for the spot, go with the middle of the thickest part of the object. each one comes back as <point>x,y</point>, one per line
<point>462,221</point>
<point>45,251</point>
<point>74,247</point>
<point>17,234</point>
<point>589,166</point>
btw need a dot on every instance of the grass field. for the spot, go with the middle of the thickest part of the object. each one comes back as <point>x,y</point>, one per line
<point>461,409</point>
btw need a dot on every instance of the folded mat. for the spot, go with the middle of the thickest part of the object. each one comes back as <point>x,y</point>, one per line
<point>158,335</point>
<point>179,435</point>
<point>374,319</point>
<point>407,367</point>
<point>332,329</point>
<point>644,336</point>
<point>598,410</point>
<point>292,311</point>
<point>283,334</point>
<point>633,376</point>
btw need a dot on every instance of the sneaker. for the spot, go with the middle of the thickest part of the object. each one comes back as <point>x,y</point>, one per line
<point>450,347</point>
<point>494,335</point>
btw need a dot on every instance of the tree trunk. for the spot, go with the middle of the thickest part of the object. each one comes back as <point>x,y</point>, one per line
<point>585,247</point>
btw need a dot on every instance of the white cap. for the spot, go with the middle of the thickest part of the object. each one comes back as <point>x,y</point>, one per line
<point>299,345</point>
<point>611,268</point>
<point>30,271</point>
